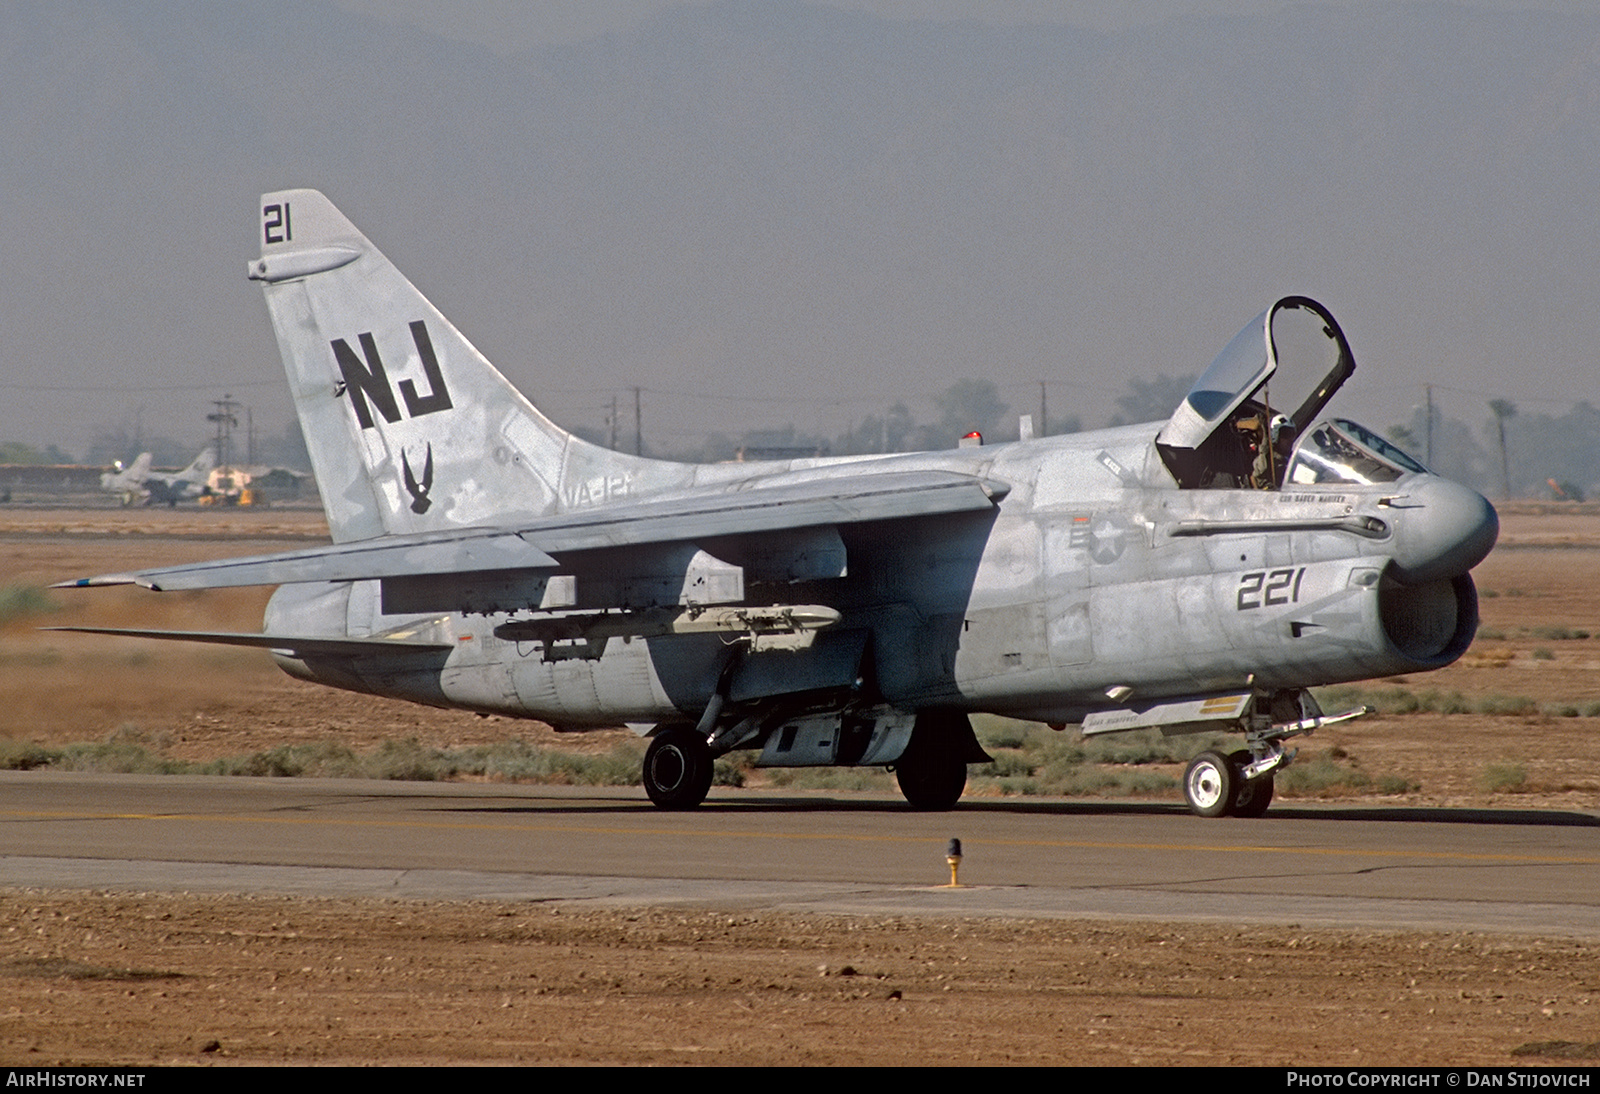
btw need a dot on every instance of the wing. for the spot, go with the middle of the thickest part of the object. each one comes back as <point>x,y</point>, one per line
<point>390,556</point>
<point>294,645</point>
<point>686,517</point>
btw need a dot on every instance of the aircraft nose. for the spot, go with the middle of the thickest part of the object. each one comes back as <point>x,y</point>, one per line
<point>1442,529</point>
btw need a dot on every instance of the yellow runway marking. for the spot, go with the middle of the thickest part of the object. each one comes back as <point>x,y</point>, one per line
<point>846,837</point>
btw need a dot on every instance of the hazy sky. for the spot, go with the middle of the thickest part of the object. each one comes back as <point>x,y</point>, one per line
<point>813,218</point>
<point>510,25</point>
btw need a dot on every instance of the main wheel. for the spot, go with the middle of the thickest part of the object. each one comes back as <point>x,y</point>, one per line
<point>1210,784</point>
<point>677,769</point>
<point>931,773</point>
<point>1252,796</point>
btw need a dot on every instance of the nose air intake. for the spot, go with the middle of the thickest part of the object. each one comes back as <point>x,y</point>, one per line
<point>1430,624</point>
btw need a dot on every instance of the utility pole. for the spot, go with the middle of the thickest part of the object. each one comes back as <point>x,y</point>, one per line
<point>225,420</point>
<point>1044,423</point>
<point>1428,429</point>
<point>1503,410</point>
<point>638,424</point>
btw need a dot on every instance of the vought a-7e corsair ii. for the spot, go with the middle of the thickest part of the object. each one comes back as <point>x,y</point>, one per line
<point>1196,574</point>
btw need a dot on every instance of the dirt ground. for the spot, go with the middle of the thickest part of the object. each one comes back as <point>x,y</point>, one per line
<point>117,979</point>
<point>148,979</point>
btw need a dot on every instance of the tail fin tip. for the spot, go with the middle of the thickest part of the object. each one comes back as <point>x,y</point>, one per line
<point>302,233</point>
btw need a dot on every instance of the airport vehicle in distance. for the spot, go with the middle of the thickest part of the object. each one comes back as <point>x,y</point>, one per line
<point>1201,573</point>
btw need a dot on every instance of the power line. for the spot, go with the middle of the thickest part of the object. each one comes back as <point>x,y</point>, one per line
<point>135,388</point>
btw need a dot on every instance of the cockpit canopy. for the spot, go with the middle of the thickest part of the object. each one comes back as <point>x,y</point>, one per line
<point>1229,430</point>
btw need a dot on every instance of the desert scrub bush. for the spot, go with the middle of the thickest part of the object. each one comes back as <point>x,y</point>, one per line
<point>1504,778</point>
<point>1507,704</point>
<point>996,732</point>
<point>25,755</point>
<point>982,786</point>
<point>1321,775</point>
<point>729,770</point>
<point>1384,700</point>
<point>1334,773</point>
<point>18,602</point>
<point>1558,634</point>
<point>519,761</point>
<point>1007,763</point>
<point>829,778</point>
<point>1103,783</point>
<point>1148,746</point>
<point>409,761</point>
<point>320,759</point>
<point>124,752</point>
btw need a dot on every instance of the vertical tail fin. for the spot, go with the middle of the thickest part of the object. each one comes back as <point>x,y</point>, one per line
<point>199,467</point>
<point>410,429</point>
<point>132,477</point>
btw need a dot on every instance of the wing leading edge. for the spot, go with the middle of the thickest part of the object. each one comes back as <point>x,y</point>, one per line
<point>294,645</point>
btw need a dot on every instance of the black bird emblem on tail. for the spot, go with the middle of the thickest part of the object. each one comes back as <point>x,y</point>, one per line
<point>418,491</point>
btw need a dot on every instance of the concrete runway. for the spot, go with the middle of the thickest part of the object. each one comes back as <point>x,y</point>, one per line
<point>1493,870</point>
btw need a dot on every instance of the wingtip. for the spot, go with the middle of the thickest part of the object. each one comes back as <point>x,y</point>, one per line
<point>97,582</point>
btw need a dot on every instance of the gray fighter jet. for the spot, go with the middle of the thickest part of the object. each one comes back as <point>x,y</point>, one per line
<point>159,487</point>
<point>1196,574</point>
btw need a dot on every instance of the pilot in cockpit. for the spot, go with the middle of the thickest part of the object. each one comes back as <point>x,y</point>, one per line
<point>1266,440</point>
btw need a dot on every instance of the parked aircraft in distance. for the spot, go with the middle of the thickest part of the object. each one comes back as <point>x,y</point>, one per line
<point>159,487</point>
<point>1201,573</point>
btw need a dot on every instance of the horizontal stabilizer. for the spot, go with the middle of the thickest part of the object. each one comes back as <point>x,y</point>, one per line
<point>297,646</point>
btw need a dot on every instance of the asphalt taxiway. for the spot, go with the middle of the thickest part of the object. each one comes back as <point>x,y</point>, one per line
<point>1529,871</point>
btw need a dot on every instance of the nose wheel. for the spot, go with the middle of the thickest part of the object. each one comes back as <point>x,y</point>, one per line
<point>1215,785</point>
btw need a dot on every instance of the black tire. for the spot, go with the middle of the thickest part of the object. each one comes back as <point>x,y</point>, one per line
<point>1210,785</point>
<point>1251,796</point>
<point>931,773</point>
<point>1254,797</point>
<point>677,769</point>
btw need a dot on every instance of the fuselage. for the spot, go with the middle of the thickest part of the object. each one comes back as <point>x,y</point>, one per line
<point>1095,573</point>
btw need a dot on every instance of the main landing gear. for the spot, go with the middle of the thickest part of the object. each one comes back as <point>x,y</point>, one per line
<point>931,774</point>
<point>932,771</point>
<point>678,768</point>
<point>934,751</point>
